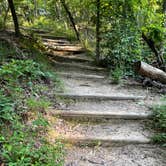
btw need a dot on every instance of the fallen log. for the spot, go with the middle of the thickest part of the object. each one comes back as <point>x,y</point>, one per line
<point>149,71</point>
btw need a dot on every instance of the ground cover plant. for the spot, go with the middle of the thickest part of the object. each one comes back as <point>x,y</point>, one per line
<point>22,138</point>
<point>159,122</point>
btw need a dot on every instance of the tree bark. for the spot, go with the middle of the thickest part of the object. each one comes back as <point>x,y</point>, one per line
<point>5,17</point>
<point>71,19</point>
<point>149,71</point>
<point>164,11</point>
<point>152,46</point>
<point>14,16</point>
<point>35,8</point>
<point>97,31</point>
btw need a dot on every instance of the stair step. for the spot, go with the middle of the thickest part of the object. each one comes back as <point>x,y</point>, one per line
<point>105,141</point>
<point>100,86</point>
<point>129,155</point>
<point>81,76</point>
<point>116,132</point>
<point>67,48</point>
<point>100,97</point>
<point>80,66</point>
<point>113,108</point>
<point>68,114</point>
<point>52,37</point>
<point>69,58</point>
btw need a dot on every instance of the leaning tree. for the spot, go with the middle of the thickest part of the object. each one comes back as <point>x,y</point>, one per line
<point>14,16</point>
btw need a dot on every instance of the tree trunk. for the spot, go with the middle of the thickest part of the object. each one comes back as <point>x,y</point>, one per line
<point>5,17</point>
<point>70,18</point>
<point>151,44</point>
<point>14,16</point>
<point>163,46</point>
<point>151,72</point>
<point>164,11</point>
<point>35,8</point>
<point>97,31</point>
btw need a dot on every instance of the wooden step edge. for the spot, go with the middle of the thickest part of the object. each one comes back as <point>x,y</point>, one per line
<point>101,115</point>
<point>60,48</point>
<point>49,36</point>
<point>68,58</point>
<point>104,141</point>
<point>85,67</point>
<point>100,97</point>
<point>81,76</point>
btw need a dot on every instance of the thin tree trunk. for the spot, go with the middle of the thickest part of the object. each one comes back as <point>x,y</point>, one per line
<point>5,17</point>
<point>57,11</point>
<point>35,8</point>
<point>164,12</point>
<point>71,19</point>
<point>162,47</point>
<point>97,31</point>
<point>14,16</point>
<point>151,44</point>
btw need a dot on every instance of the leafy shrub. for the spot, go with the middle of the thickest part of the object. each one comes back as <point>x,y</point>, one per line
<point>21,69</point>
<point>116,75</point>
<point>39,105</point>
<point>159,121</point>
<point>160,117</point>
<point>6,109</point>
<point>22,149</point>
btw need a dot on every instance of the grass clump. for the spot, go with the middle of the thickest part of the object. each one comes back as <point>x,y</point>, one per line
<point>159,122</point>
<point>21,148</point>
<point>116,75</point>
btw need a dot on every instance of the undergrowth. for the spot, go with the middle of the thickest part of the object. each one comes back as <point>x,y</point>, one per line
<point>56,28</point>
<point>159,122</point>
<point>27,90</point>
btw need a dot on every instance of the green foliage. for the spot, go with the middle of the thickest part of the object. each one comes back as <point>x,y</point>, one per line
<point>160,139</point>
<point>41,121</point>
<point>116,75</point>
<point>122,25</point>
<point>6,109</point>
<point>5,51</point>
<point>159,121</point>
<point>160,117</point>
<point>21,70</point>
<point>37,105</point>
<point>20,143</point>
<point>21,148</point>
<point>57,28</point>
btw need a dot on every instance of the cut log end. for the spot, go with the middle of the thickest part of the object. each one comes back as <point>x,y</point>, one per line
<point>149,71</point>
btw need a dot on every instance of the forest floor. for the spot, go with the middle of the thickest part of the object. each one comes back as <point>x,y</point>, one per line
<point>102,124</point>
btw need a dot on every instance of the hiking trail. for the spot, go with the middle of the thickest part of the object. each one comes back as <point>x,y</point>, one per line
<point>103,124</point>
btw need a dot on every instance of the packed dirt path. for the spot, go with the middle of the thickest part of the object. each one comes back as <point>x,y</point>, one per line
<point>102,124</point>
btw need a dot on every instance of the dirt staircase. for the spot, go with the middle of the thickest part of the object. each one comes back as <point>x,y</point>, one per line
<point>102,124</point>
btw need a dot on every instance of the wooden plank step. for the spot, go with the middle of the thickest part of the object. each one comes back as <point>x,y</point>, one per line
<point>81,76</point>
<point>104,141</point>
<point>100,97</point>
<point>61,58</point>
<point>74,114</point>
<point>80,66</point>
<point>73,49</point>
<point>119,132</point>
